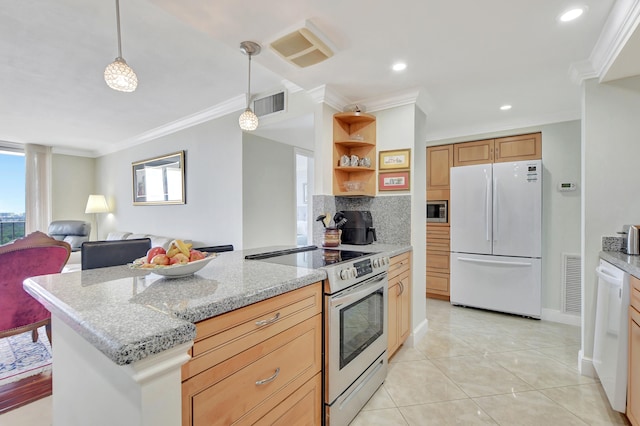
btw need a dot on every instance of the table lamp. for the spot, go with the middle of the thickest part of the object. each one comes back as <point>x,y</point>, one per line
<point>97,204</point>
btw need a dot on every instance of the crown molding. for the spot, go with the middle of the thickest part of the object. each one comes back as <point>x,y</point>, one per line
<point>581,71</point>
<point>324,94</point>
<point>74,152</point>
<point>234,104</point>
<point>408,97</point>
<point>620,25</point>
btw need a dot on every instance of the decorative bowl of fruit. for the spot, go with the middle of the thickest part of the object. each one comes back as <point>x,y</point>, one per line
<point>181,260</point>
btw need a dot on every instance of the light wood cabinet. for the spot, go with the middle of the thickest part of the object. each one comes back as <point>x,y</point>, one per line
<point>633,384</point>
<point>438,260</point>
<point>469,153</point>
<point>399,295</point>
<point>354,133</point>
<point>499,150</point>
<point>439,160</point>
<point>518,148</point>
<point>258,364</point>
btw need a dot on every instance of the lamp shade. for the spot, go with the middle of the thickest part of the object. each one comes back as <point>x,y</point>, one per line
<point>96,204</point>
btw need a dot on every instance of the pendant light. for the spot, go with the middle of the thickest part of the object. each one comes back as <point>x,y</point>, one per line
<point>248,120</point>
<point>118,75</point>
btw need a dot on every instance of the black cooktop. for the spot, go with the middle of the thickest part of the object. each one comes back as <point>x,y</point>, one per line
<point>310,257</point>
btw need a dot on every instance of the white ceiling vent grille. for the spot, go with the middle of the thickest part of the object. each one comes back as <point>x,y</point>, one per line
<point>270,104</point>
<point>571,277</point>
<point>302,48</point>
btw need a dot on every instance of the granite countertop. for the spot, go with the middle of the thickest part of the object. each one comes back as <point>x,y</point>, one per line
<point>626,262</point>
<point>130,314</point>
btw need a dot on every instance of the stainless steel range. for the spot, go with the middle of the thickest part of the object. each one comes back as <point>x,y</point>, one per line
<point>355,318</point>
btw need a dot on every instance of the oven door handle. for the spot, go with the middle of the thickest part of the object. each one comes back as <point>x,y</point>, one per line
<point>358,291</point>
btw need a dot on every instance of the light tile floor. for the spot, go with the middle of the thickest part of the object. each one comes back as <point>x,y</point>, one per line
<point>473,367</point>
<point>480,367</point>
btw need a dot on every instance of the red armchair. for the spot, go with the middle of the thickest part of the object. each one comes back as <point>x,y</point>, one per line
<point>35,254</point>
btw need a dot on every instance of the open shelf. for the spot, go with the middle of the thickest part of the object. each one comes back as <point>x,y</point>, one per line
<point>354,133</point>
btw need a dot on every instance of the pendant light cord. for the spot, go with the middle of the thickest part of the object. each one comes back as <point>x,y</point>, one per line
<point>118,26</point>
<point>249,83</point>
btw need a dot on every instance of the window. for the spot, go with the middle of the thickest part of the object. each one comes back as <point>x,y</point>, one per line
<point>304,191</point>
<point>12,194</point>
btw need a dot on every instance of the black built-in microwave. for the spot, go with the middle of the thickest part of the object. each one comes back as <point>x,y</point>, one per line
<point>437,211</point>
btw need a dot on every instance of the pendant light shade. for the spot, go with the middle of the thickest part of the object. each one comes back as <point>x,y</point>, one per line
<point>118,75</point>
<point>248,120</point>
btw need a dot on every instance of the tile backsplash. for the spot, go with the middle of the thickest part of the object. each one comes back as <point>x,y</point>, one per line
<point>391,215</point>
<point>614,243</point>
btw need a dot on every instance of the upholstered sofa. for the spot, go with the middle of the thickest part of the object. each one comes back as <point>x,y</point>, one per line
<point>72,232</point>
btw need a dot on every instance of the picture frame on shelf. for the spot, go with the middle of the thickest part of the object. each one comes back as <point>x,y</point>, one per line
<point>159,180</point>
<point>396,159</point>
<point>394,181</point>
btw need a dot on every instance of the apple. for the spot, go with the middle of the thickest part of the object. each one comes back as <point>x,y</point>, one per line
<point>195,255</point>
<point>154,251</point>
<point>160,259</point>
<point>179,258</point>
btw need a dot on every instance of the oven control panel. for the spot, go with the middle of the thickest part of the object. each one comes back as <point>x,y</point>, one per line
<point>363,268</point>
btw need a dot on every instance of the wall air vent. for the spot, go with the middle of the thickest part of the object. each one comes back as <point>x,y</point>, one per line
<point>571,277</point>
<point>270,104</point>
<point>302,48</point>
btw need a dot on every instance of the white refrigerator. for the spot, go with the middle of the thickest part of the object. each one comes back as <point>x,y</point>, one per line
<point>496,237</point>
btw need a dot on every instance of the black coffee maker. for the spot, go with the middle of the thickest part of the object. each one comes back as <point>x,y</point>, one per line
<point>358,229</point>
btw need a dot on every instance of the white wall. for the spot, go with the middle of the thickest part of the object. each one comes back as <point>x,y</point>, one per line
<point>561,211</point>
<point>213,166</point>
<point>610,191</point>
<point>399,128</point>
<point>73,179</point>
<point>268,193</point>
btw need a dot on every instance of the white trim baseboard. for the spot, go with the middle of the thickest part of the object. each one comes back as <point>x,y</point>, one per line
<point>585,365</point>
<point>561,317</point>
<point>418,333</point>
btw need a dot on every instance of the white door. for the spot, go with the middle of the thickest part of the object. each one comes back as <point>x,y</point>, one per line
<point>470,209</point>
<point>517,208</point>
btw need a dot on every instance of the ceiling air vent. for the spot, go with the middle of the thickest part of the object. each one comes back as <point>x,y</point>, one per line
<point>302,48</point>
<point>269,104</point>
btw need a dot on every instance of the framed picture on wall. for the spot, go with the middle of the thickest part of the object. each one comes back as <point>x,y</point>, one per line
<point>398,159</point>
<point>159,180</point>
<point>393,181</point>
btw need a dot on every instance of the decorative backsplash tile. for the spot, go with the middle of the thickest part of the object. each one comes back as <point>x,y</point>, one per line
<point>391,215</point>
<point>613,243</point>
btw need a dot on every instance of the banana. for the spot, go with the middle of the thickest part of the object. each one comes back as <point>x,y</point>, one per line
<point>184,248</point>
<point>173,250</point>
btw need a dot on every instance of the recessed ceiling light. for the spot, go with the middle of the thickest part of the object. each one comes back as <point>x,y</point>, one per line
<point>505,107</point>
<point>399,66</point>
<point>572,14</point>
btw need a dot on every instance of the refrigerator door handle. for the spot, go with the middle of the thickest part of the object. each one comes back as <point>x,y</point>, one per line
<point>495,208</point>
<point>493,262</point>
<point>487,204</point>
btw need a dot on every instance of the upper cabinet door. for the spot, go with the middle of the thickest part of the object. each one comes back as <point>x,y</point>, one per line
<point>469,153</point>
<point>518,148</point>
<point>439,161</point>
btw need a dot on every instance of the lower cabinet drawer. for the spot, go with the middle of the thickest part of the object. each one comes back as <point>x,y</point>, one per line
<point>243,389</point>
<point>438,261</point>
<point>438,283</point>
<point>303,407</point>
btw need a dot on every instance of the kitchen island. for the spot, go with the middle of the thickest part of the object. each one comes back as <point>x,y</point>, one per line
<point>122,335</point>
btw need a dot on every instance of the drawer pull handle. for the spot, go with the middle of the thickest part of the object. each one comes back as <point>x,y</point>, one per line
<point>269,321</point>
<point>269,379</point>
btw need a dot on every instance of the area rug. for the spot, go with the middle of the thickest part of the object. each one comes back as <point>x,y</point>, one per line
<point>20,357</point>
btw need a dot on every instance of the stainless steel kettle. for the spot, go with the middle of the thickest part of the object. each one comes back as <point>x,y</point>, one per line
<point>633,239</point>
